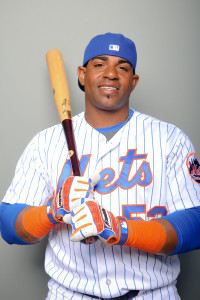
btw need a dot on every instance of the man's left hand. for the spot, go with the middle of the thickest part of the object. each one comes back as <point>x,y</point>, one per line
<point>90,219</point>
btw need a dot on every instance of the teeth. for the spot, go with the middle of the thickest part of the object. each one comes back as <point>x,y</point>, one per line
<point>108,87</point>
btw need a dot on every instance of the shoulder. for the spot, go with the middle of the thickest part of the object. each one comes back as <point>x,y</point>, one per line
<point>42,144</point>
<point>51,136</point>
<point>46,137</point>
<point>169,133</point>
<point>148,120</point>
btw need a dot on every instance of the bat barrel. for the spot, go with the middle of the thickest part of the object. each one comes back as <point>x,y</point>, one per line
<point>59,83</point>
<point>61,94</point>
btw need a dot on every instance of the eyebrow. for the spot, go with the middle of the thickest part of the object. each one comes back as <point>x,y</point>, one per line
<point>104,58</point>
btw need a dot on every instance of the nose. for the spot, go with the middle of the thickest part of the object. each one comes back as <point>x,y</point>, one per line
<point>111,72</point>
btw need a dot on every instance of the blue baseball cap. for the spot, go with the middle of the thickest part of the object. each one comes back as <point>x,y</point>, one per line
<point>113,44</point>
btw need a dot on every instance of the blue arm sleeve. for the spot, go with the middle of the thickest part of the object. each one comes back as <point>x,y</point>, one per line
<point>187,225</point>
<point>8,216</point>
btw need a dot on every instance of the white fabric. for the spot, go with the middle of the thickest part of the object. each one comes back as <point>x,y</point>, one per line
<point>143,174</point>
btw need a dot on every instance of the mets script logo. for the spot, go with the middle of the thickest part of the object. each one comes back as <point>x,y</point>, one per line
<point>193,164</point>
<point>127,179</point>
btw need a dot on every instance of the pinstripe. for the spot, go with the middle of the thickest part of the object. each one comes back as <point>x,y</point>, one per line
<point>72,272</point>
<point>94,274</point>
<point>97,273</point>
<point>84,269</point>
<point>61,265</point>
<point>115,263</point>
<point>106,271</point>
<point>147,259</point>
<point>171,194</point>
<point>91,263</point>
<point>184,177</point>
<point>145,196</point>
<point>142,276</point>
<point>152,167</point>
<point>132,266</point>
<point>154,272</point>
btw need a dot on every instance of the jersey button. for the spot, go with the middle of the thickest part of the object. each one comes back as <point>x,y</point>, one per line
<point>108,281</point>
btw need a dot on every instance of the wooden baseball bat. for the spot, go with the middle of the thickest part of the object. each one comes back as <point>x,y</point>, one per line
<point>61,94</point>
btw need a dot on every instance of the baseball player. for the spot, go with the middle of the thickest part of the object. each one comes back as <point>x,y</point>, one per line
<point>115,232</point>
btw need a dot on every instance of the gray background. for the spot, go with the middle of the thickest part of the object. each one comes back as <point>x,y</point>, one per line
<point>167,38</point>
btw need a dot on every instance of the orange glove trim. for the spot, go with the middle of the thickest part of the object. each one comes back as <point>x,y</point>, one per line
<point>36,222</point>
<point>84,182</point>
<point>81,227</point>
<point>148,236</point>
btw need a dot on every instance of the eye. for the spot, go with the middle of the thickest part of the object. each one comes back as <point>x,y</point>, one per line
<point>124,68</point>
<point>98,65</point>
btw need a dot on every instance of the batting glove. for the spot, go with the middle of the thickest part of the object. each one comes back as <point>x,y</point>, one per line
<point>90,219</point>
<point>73,192</point>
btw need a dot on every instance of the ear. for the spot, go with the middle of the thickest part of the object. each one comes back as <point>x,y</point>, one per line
<point>135,81</point>
<point>81,75</point>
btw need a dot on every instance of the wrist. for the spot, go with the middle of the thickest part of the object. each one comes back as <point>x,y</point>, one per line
<point>122,232</point>
<point>50,210</point>
<point>148,236</point>
<point>36,221</point>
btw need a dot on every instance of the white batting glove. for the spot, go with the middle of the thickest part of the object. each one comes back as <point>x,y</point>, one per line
<point>92,220</point>
<point>73,192</point>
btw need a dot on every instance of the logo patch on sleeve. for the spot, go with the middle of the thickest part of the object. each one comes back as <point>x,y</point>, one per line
<point>193,164</point>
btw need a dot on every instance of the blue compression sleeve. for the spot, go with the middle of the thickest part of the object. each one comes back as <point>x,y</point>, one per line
<point>8,216</point>
<point>187,225</point>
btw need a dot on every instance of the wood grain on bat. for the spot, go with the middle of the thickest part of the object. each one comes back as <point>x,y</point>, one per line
<point>61,94</point>
<point>59,83</point>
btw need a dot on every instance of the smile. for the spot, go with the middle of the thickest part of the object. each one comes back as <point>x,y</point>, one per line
<point>109,88</point>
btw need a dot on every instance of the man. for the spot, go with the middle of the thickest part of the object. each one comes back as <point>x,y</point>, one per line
<point>115,232</point>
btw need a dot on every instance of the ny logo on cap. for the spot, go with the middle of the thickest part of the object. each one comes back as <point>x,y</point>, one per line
<point>114,47</point>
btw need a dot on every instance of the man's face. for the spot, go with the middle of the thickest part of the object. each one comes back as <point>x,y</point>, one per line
<point>108,82</point>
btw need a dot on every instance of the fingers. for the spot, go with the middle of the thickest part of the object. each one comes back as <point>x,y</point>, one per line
<point>82,223</point>
<point>74,192</point>
<point>80,187</point>
<point>95,178</point>
<point>76,202</point>
<point>90,219</point>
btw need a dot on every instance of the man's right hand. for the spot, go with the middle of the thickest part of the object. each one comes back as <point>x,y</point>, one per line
<point>72,193</point>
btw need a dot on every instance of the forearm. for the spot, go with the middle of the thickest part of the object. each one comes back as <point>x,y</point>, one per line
<point>171,240</point>
<point>32,224</point>
<point>39,227</point>
<point>172,234</point>
<point>21,231</point>
<point>178,233</point>
<point>23,224</point>
<point>156,236</point>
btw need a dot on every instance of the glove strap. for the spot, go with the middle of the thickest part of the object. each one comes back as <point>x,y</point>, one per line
<point>51,211</point>
<point>123,230</point>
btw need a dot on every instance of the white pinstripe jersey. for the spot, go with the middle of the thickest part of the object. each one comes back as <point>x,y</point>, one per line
<point>144,174</point>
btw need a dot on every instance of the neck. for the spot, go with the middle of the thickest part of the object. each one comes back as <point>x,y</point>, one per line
<point>102,119</point>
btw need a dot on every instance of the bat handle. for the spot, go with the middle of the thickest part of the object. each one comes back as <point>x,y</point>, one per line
<point>67,126</point>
